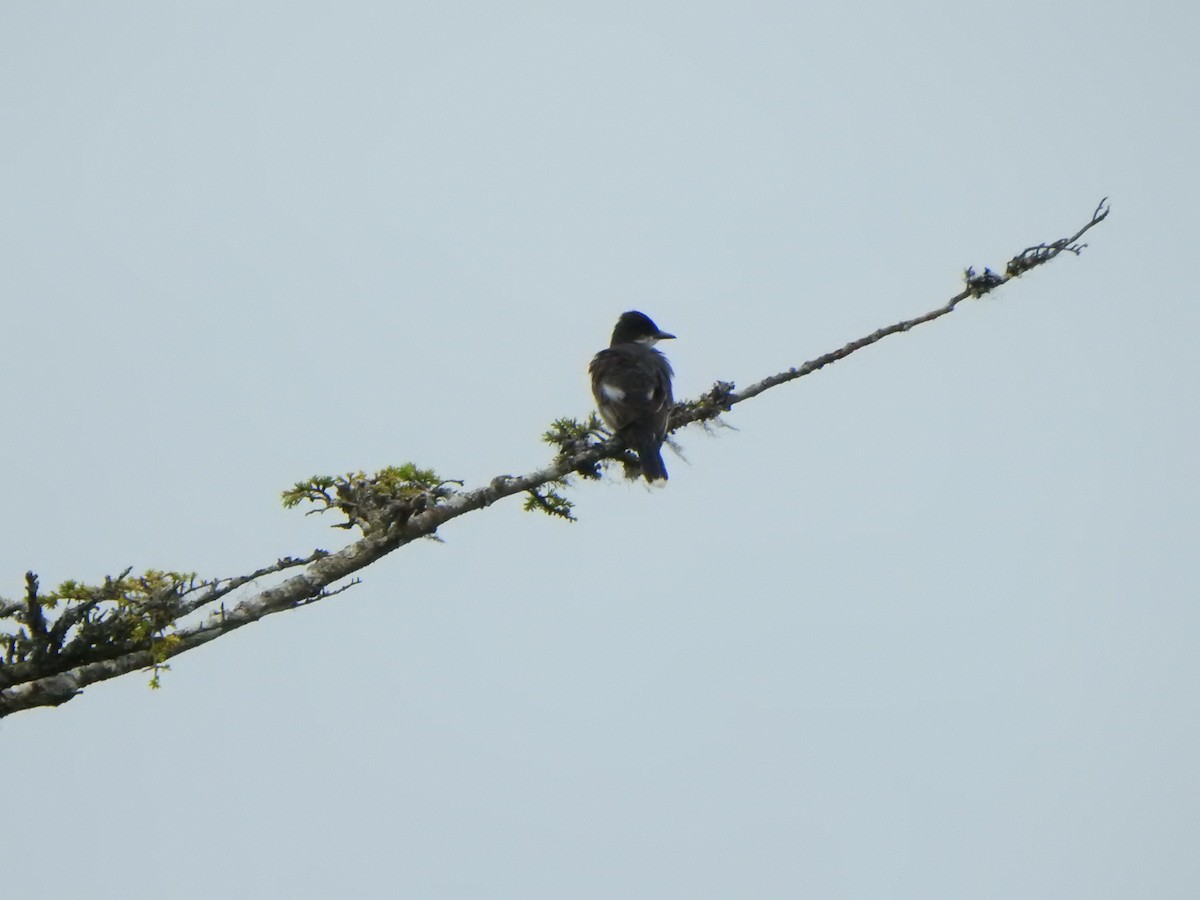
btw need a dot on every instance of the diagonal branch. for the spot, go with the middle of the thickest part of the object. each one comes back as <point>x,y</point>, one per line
<point>415,515</point>
<point>976,286</point>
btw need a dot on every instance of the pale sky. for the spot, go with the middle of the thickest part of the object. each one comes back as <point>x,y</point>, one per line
<point>925,625</point>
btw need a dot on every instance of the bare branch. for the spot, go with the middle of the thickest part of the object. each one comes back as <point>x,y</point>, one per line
<point>723,397</point>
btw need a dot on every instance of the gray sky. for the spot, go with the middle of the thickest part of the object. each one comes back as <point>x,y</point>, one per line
<point>924,626</point>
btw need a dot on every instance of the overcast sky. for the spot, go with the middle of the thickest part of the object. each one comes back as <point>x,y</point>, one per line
<point>925,625</point>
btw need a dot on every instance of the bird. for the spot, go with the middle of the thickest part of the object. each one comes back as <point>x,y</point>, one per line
<point>631,382</point>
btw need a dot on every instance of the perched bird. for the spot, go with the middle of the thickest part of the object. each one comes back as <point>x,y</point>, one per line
<point>632,385</point>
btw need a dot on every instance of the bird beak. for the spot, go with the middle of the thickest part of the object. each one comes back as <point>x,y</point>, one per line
<point>663,336</point>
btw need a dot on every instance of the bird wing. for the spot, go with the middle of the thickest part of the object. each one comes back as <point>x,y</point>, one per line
<point>631,383</point>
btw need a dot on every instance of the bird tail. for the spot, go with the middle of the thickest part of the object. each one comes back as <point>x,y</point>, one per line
<point>650,455</point>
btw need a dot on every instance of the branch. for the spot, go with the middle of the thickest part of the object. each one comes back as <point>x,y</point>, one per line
<point>976,286</point>
<point>129,624</point>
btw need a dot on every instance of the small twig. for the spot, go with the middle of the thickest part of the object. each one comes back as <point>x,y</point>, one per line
<point>225,586</point>
<point>330,592</point>
<point>34,617</point>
